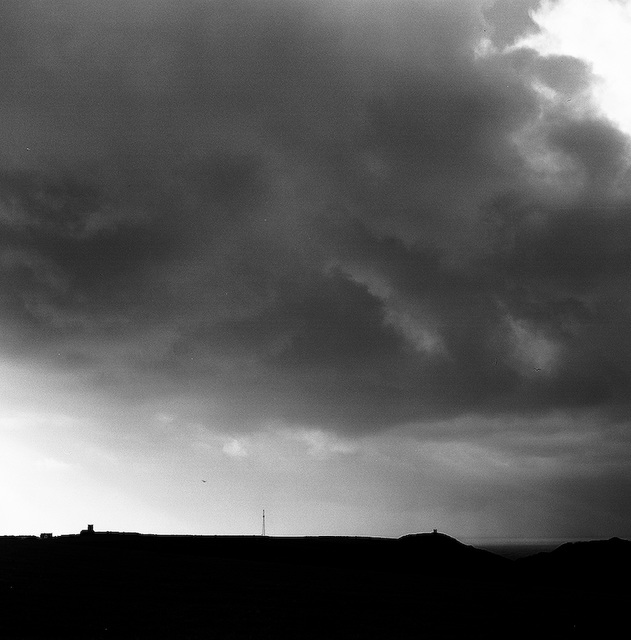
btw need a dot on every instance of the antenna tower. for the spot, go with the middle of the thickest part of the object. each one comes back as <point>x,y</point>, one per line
<point>263,523</point>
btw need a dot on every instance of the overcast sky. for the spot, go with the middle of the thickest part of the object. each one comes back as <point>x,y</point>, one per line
<point>364,264</point>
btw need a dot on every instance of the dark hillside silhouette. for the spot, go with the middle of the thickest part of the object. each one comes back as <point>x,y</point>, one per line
<point>590,564</point>
<point>126,585</point>
<point>437,552</point>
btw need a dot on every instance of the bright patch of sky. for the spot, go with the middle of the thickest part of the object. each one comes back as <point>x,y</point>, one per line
<point>599,33</point>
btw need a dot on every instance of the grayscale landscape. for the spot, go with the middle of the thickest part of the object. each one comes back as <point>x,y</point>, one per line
<point>284,283</point>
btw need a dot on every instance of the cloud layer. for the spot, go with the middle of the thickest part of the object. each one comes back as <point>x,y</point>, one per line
<point>346,215</point>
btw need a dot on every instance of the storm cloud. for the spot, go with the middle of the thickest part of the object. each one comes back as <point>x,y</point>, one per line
<point>346,215</point>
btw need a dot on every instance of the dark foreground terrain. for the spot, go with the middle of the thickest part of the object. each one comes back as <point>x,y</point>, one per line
<point>107,585</point>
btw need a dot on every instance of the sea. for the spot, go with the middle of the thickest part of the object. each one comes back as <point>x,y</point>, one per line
<point>514,548</point>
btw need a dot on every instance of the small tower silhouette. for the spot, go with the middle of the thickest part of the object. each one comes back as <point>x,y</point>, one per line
<point>263,533</point>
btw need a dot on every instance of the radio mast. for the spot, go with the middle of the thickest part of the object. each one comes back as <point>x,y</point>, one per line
<point>263,534</point>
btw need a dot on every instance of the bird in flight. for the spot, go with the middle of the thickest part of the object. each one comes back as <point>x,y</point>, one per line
<point>203,480</point>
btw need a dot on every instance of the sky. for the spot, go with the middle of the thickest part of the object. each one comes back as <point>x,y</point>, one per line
<point>363,264</point>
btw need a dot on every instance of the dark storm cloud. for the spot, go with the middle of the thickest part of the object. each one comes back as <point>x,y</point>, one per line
<point>320,353</point>
<point>564,74</point>
<point>599,150</point>
<point>307,211</point>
